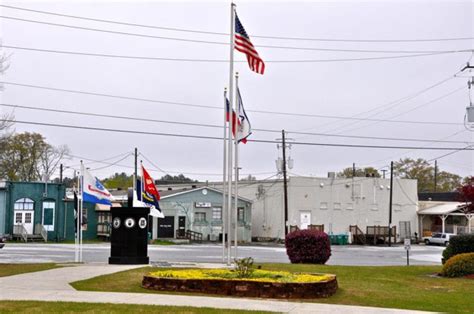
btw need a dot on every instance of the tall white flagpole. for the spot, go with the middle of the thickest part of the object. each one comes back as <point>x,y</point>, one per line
<point>231,100</point>
<point>224,175</point>
<point>236,162</point>
<point>80,211</point>
<point>76,206</point>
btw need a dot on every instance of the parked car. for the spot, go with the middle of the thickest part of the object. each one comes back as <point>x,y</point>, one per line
<point>438,238</point>
<point>2,241</point>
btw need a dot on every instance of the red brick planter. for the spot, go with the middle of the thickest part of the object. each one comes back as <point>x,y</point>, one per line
<point>244,288</point>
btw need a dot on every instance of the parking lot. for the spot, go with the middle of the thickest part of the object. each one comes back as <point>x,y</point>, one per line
<point>210,253</point>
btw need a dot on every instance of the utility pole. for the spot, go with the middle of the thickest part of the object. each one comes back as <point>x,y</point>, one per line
<point>436,176</point>
<point>285,184</point>
<point>353,169</point>
<point>390,207</point>
<point>383,171</point>
<point>61,173</point>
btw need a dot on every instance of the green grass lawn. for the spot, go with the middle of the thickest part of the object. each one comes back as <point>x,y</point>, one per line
<point>391,286</point>
<point>73,307</point>
<point>162,242</point>
<point>15,269</point>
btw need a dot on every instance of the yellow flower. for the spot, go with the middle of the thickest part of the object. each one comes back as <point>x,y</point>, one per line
<point>225,274</point>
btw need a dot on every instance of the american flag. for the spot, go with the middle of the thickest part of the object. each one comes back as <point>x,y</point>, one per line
<point>244,45</point>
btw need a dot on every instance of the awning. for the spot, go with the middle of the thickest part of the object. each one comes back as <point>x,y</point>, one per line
<point>441,209</point>
<point>105,208</point>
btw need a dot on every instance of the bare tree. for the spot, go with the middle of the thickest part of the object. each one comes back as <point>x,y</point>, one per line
<point>6,119</point>
<point>50,160</point>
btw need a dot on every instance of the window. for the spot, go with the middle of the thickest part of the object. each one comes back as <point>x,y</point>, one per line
<point>27,218</point>
<point>350,206</point>
<point>200,217</point>
<point>18,218</point>
<point>337,206</point>
<point>240,214</point>
<point>323,205</point>
<point>216,213</point>
<point>23,204</point>
<point>103,223</point>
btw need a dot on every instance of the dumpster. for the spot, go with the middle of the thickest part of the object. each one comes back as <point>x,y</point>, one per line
<point>344,239</point>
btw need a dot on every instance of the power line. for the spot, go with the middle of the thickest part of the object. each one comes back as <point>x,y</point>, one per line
<point>96,161</point>
<point>111,96</point>
<point>113,163</point>
<point>219,138</point>
<point>220,126</point>
<point>226,43</point>
<point>104,161</point>
<point>227,34</point>
<point>146,58</point>
<point>451,153</point>
<point>392,157</point>
<point>394,103</point>
<point>307,115</point>
<point>416,107</point>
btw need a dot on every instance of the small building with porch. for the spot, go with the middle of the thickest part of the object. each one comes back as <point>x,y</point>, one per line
<point>444,217</point>
<point>442,212</point>
<point>199,211</point>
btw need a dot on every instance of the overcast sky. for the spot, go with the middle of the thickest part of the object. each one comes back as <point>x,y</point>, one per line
<point>341,88</point>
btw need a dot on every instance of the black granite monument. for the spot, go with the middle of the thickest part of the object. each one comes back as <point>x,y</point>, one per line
<point>129,238</point>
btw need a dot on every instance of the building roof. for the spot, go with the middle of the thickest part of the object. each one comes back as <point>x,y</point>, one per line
<point>122,195</point>
<point>439,196</point>
<point>445,208</point>
<point>170,193</point>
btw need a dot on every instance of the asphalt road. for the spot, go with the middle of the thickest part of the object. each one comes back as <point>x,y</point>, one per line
<point>209,253</point>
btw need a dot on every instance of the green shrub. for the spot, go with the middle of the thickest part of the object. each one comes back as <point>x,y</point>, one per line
<point>463,243</point>
<point>459,265</point>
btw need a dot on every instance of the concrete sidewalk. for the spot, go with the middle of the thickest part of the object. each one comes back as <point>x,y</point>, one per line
<point>53,285</point>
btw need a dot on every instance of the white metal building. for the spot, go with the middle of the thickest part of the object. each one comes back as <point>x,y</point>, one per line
<point>333,202</point>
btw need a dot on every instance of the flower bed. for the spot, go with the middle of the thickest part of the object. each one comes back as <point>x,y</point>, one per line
<point>263,284</point>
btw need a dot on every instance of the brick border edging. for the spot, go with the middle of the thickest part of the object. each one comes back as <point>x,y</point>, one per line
<point>244,288</point>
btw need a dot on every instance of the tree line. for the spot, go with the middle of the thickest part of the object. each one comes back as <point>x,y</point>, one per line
<point>419,169</point>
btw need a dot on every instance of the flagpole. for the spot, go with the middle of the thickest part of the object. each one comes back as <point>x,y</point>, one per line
<point>76,206</point>
<point>231,100</point>
<point>236,162</point>
<point>80,211</point>
<point>140,198</point>
<point>224,174</point>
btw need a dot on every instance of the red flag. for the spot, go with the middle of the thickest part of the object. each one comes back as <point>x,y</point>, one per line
<point>149,185</point>
<point>234,116</point>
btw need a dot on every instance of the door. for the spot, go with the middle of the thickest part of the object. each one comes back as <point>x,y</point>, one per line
<point>181,226</point>
<point>166,227</point>
<point>305,220</point>
<point>25,218</point>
